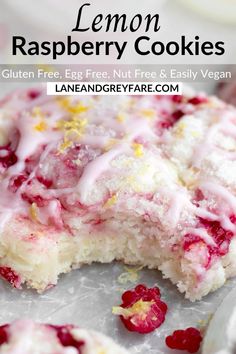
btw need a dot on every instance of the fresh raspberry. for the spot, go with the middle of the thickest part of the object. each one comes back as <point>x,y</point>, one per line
<point>65,337</point>
<point>7,156</point>
<point>3,334</point>
<point>11,276</point>
<point>197,100</point>
<point>188,339</point>
<point>142,310</point>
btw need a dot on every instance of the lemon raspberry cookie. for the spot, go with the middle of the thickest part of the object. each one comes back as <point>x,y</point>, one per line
<point>28,337</point>
<point>147,180</point>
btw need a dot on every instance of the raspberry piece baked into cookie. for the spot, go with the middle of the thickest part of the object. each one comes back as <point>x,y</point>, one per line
<point>147,180</point>
<point>28,337</point>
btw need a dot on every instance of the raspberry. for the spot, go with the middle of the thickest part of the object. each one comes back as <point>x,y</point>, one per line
<point>188,339</point>
<point>33,94</point>
<point>197,100</point>
<point>165,124</point>
<point>16,182</point>
<point>233,219</point>
<point>65,337</point>
<point>189,240</point>
<point>198,197</point>
<point>170,121</point>
<point>37,199</point>
<point>64,170</point>
<point>7,156</point>
<point>11,276</point>
<point>177,98</point>
<point>46,182</point>
<point>221,236</point>
<point>3,334</point>
<point>176,115</point>
<point>142,310</point>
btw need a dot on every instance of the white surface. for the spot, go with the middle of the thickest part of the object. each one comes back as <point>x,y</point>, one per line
<point>85,297</point>
<point>220,331</point>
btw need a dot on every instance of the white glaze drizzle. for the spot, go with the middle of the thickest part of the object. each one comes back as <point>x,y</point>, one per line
<point>220,191</point>
<point>205,146</point>
<point>94,169</point>
<point>177,203</point>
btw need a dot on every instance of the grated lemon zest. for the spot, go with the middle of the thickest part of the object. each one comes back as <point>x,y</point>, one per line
<point>78,162</point>
<point>102,351</point>
<point>148,113</point>
<point>74,125</point>
<point>195,134</point>
<point>111,201</point>
<point>140,308</point>
<point>65,145</point>
<point>110,144</point>
<point>138,149</point>
<point>33,212</point>
<point>41,126</point>
<point>131,181</point>
<point>78,108</point>
<point>37,112</point>
<point>130,276</point>
<point>120,118</point>
<point>73,129</point>
<point>179,131</point>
